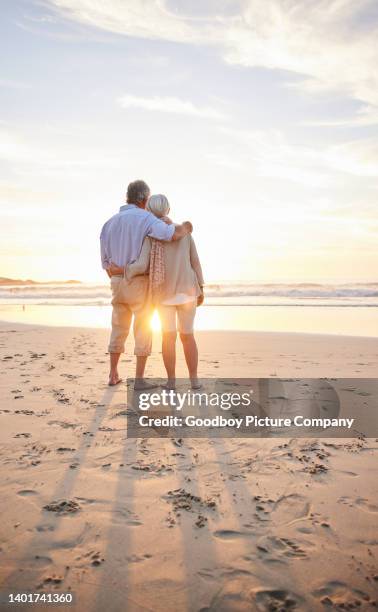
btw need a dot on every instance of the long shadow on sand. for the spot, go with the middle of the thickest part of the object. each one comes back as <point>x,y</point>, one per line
<point>26,576</point>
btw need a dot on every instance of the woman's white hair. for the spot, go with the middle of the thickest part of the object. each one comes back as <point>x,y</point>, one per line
<point>158,205</point>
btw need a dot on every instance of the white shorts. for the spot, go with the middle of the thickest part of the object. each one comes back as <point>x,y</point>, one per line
<point>184,313</point>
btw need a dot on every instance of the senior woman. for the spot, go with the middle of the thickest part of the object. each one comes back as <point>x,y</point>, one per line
<point>175,287</point>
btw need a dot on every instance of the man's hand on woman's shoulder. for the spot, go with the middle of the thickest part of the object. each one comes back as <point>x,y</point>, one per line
<point>188,226</point>
<point>182,230</point>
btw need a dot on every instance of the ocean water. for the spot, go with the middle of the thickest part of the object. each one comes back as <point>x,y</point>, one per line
<point>349,308</point>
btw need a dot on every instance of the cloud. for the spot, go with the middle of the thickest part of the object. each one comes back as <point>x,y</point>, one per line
<point>321,39</point>
<point>139,18</point>
<point>50,156</point>
<point>357,157</point>
<point>270,154</point>
<point>169,104</point>
<point>331,43</point>
<point>364,117</point>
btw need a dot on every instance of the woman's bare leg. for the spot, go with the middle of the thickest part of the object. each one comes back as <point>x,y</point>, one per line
<point>169,355</point>
<point>191,355</point>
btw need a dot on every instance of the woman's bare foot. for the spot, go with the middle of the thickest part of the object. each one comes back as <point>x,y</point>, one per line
<point>195,383</point>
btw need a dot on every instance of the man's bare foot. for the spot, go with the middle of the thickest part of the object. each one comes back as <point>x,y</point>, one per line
<point>170,385</point>
<point>114,379</point>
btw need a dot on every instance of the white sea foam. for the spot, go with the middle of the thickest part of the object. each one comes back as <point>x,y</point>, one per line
<point>267,294</point>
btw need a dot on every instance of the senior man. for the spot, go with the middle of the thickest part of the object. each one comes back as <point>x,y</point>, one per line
<point>121,242</point>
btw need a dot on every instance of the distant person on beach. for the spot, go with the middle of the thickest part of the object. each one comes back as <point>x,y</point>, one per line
<point>175,288</point>
<point>121,242</point>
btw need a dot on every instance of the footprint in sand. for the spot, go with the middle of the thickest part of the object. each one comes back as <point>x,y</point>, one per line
<point>264,507</point>
<point>126,516</point>
<point>138,558</point>
<point>44,527</point>
<point>233,595</point>
<point>359,502</point>
<point>275,549</point>
<point>41,560</point>
<point>278,600</point>
<point>64,424</point>
<point>230,534</point>
<point>366,505</point>
<point>340,596</point>
<point>63,507</point>
<point>51,580</point>
<point>283,511</point>
<point>291,508</point>
<point>245,594</point>
<point>92,557</point>
<point>156,469</point>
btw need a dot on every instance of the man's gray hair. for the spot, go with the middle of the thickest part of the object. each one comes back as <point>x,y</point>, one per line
<point>137,192</point>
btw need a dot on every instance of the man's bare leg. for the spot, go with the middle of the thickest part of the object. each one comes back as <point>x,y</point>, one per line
<point>114,378</point>
<point>140,384</point>
<point>140,367</point>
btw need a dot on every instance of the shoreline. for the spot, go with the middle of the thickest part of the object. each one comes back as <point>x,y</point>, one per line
<point>257,332</point>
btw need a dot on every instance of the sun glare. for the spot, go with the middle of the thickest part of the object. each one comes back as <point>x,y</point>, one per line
<point>155,321</point>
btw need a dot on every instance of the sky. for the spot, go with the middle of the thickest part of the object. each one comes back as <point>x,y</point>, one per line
<point>258,121</point>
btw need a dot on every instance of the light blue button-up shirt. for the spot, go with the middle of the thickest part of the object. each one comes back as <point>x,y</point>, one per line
<point>123,234</point>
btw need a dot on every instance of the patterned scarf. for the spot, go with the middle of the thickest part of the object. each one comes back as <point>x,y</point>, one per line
<point>157,271</point>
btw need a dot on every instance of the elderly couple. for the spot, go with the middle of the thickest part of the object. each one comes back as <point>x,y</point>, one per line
<point>152,263</point>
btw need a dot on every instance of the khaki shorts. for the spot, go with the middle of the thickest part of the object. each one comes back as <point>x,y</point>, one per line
<point>130,299</point>
<point>184,313</point>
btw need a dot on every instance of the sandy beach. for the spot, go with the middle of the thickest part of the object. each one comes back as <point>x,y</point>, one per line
<point>164,524</point>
